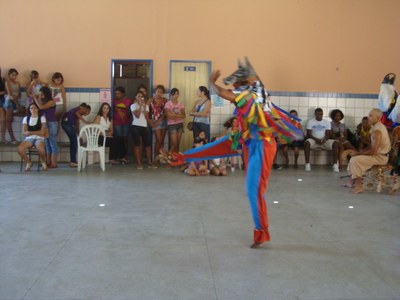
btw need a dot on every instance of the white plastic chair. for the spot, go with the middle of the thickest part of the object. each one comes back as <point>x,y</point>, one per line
<point>91,133</point>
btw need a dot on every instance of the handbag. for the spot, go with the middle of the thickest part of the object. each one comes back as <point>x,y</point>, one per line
<point>189,125</point>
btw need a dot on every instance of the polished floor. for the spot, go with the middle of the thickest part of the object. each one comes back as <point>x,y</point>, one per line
<point>158,234</point>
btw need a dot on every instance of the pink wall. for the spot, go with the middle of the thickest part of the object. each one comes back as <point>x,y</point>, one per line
<point>304,45</point>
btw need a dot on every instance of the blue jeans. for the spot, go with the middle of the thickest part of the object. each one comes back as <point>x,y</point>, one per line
<point>120,141</point>
<point>121,130</point>
<point>51,141</point>
<point>70,130</point>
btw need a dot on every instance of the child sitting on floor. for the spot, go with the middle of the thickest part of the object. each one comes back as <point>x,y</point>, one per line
<point>198,168</point>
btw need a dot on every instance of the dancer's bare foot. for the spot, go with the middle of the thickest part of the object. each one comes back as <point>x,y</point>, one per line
<point>255,245</point>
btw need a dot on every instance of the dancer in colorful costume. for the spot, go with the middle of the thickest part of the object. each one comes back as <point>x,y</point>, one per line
<point>259,123</point>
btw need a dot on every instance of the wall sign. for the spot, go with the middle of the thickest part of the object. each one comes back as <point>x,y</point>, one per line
<point>105,95</point>
<point>189,69</point>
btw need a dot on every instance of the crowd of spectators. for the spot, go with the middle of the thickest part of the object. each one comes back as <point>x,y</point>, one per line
<point>149,119</point>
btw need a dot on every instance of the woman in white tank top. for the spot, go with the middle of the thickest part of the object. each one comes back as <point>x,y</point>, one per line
<point>104,119</point>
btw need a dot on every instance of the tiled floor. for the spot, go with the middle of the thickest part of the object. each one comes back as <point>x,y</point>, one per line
<point>162,235</point>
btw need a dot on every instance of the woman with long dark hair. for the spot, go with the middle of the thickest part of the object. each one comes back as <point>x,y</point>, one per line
<point>13,91</point>
<point>104,119</point>
<point>46,104</point>
<point>140,133</point>
<point>70,124</point>
<point>201,113</point>
<point>175,111</point>
<point>158,120</point>
<point>33,128</point>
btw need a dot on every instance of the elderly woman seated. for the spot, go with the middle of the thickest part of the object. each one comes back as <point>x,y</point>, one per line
<point>34,129</point>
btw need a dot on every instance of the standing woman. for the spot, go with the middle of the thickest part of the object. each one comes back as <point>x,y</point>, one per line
<point>58,92</point>
<point>140,133</point>
<point>70,124</point>
<point>104,119</point>
<point>2,110</point>
<point>13,90</point>
<point>175,112</point>
<point>201,112</point>
<point>47,105</point>
<point>34,86</point>
<point>143,89</point>
<point>33,128</point>
<point>158,120</point>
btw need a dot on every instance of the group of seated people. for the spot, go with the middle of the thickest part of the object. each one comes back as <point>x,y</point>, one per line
<point>327,135</point>
<point>215,166</point>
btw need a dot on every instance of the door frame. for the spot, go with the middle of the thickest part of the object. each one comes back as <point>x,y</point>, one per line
<point>119,60</point>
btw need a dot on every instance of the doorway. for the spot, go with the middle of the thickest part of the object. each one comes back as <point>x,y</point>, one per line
<point>130,74</point>
<point>187,76</point>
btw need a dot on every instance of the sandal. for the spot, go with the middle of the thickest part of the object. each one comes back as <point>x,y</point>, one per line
<point>28,167</point>
<point>44,166</point>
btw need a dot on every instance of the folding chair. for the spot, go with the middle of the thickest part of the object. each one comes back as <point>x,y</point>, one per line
<point>32,151</point>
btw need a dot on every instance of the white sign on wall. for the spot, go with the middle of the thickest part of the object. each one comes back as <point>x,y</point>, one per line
<point>217,101</point>
<point>105,95</point>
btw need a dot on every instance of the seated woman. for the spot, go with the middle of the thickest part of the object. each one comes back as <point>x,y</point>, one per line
<point>34,130</point>
<point>104,119</point>
<point>198,168</point>
<point>363,132</point>
<point>218,167</point>
<point>295,145</point>
<point>339,133</point>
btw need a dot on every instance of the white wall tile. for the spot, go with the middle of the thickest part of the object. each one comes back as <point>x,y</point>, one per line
<point>323,102</point>
<point>304,101</point>
<point>7,156</point>
<point>94,97</point>
<point>215,119</point>
<point>215,110</point>
<point>73,97</point>
<point>350,102</point>
<point>225,109</point>
<point>294,101</point>
<point>340,103</point>
<point>370,103</point>
<point>303,111</point>
<point>284,101</point>
<point>84,97</point>
<point>331,102</point>
<point>313,102</point>
<point>275,99</point>
<point>350,112</point>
